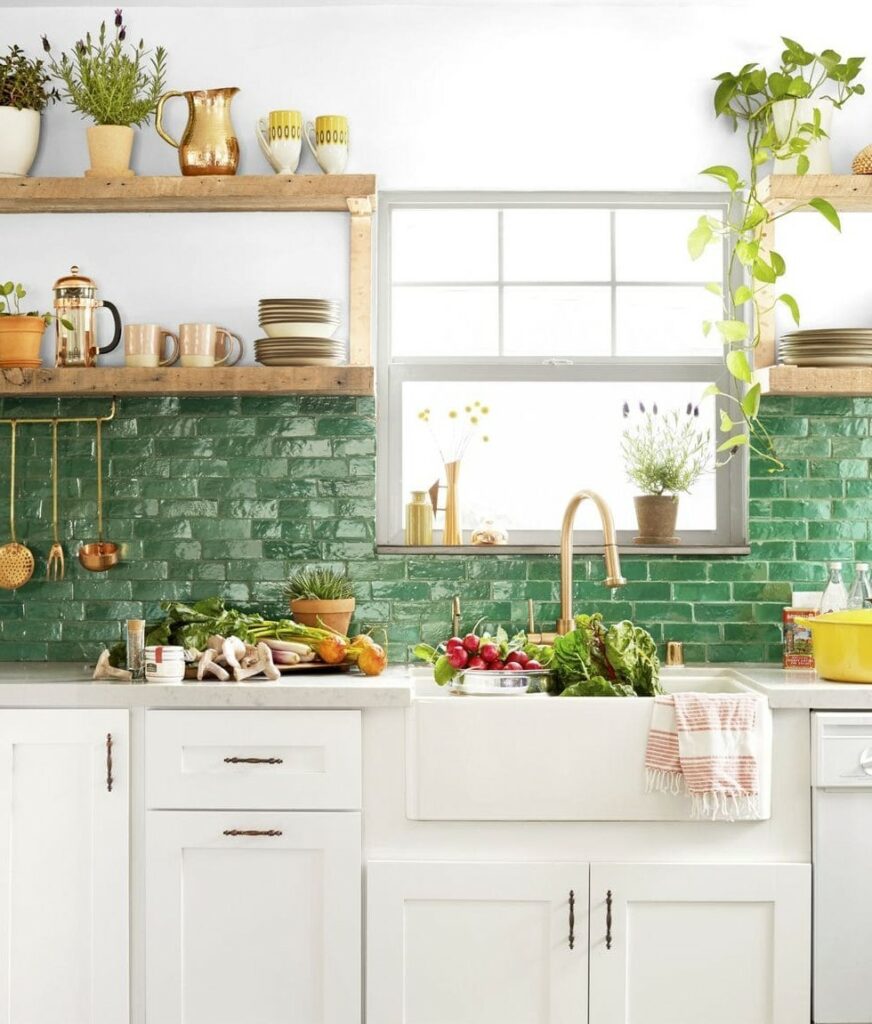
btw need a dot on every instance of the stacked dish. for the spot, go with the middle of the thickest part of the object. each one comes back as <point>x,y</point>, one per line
<point>827,347</point>
<point>299,333</point>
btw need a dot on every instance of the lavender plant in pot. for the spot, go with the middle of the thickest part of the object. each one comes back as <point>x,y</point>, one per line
<point>24,94</point>
<point>664,456</point>
<point>117,86</point>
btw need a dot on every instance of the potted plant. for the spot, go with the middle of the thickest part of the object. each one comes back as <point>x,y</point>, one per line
<point>117,86</point>
<point>664,456</point>
<point>24,94</point>
<point>784,140</point>
<point>321,597</point>
<point>20,333</point>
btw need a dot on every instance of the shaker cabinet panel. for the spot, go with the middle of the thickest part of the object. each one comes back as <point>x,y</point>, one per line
<point>252,917</point>
<point>681,944</point>
<point>476,943</point>
<point>64,894</point>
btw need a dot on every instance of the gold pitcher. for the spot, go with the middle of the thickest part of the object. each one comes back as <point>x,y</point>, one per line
<point>209,144</point>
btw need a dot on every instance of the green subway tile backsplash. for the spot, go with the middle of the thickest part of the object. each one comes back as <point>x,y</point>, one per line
<point>228,495</point>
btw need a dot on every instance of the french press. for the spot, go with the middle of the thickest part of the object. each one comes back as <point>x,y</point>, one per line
<point>76,303</point>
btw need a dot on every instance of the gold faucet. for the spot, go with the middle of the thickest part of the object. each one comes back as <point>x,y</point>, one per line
<point>610,554</point>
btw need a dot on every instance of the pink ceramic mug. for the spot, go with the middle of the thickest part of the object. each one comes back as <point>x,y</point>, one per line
<point>144,343</point>
<point>208,345</point>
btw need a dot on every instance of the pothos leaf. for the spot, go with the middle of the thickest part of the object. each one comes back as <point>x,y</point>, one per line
<point>714,288</point>
<point>742,295</point>
<point>791,304</point>
<point>726,421</point>
<point>738,365</point>
<point>733,442</point>
<point>750,402</point>
<point>826,210</point>
<point>732,330</point>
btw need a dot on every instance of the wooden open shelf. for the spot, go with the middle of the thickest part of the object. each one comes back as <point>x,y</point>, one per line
<point>815,380</point>
<point>126,381</point>
<point>847,192</point>
<point>340,193</point>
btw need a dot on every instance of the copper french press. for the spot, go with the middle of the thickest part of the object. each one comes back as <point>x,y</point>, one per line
<point>76,305</point>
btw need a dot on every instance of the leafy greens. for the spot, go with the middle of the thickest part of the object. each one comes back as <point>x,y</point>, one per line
<point>596,661</point>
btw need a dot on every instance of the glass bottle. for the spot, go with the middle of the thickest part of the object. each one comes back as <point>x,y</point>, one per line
<point>835,596</point>
<point>860,595</point>
<point>136,649</point>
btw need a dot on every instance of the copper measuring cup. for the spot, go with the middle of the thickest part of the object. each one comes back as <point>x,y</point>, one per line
<point>99,555</point>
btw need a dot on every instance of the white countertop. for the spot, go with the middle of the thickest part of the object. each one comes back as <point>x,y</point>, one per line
<point>69,684</point>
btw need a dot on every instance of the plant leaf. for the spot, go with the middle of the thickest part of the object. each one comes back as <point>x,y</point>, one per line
<point>751,402</point>
<point>761,271</point>
<point>728,175</point>
<point>726,422</point>
<point>733,442</point>
<point>791,304</point>
<point>738,365</point>
<point>711,390</point>
<point>777,261</point>
<point>699,238</point>
<point>732,330</point>
<point>714,288</point>
<point>828,211</point>
<point>742,294</point>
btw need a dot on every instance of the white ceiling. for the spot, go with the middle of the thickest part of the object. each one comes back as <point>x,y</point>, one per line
<point>377,3</point>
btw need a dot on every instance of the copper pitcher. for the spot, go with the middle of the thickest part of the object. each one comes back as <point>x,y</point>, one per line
<point>209,144</point>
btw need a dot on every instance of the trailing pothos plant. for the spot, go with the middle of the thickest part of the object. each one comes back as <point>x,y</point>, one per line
<point>747,98</point>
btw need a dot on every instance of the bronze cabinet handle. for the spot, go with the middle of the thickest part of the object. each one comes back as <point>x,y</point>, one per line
<point>109,779</point>
<point>253,760</point>
<point>252,832</point>
<point>572,919</point>
<point>609,919</point>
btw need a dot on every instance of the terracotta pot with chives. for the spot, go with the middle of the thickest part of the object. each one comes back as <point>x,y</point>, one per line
<point>321,597</point>
<point>664,455</point>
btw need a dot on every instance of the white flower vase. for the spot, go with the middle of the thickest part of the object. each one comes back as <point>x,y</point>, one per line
<point>19,137</point>
<point>787,116</point>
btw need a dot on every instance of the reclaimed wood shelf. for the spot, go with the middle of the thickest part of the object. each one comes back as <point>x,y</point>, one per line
<point>128,381</point>
<point>302,193</point>
<point>815,380</point>
<point>850,193</point>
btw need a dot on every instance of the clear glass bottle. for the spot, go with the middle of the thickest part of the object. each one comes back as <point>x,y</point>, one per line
<point>835,596</point>
<point>860,595</point>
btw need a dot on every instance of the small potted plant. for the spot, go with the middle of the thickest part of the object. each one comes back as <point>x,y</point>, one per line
<point>321,597</point>
<point>24,94</point>
<point>664,456</point>
<point>117,86</point>
<point>20,333</point>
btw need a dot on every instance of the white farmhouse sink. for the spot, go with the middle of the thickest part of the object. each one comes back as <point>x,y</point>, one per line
<point>541,758</point>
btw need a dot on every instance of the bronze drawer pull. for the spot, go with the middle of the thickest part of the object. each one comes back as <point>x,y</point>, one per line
<point>253,760</point>
<point>572,919</point>
<point>609,919</point>
<point>252,832</point>
<point>109,761</point>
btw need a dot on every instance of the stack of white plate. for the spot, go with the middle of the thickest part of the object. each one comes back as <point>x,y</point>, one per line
<point>299,318</point>
<point>829,347</point>
<point>300,351</point>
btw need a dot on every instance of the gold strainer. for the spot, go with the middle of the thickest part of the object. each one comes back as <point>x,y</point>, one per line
<point>16,560</point>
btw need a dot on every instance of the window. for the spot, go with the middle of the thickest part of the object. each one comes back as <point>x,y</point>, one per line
<point>552,311</point>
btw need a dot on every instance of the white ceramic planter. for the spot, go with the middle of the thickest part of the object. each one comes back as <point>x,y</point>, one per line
<point>19,137</point>
<point>787,115</point>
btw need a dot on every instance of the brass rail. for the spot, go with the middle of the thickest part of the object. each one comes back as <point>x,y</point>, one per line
<point>62,419</point>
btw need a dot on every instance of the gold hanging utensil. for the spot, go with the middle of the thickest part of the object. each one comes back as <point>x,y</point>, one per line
<point>16,560</point>
<point>55,568</point>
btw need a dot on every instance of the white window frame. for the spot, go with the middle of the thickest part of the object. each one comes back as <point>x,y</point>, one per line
<point>731,533</point>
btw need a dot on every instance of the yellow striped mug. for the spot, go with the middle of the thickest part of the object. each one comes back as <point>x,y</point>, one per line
<point>328,140</point>
<point>280,135</point>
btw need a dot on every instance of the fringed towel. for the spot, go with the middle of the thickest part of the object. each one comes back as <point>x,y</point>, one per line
<point>708,746</point>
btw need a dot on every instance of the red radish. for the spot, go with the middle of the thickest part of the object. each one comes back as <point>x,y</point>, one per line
<point>477,663</point>
<point>532,665</point>
<point>457,657</point>
<point>519,657</point>
<point>455,641</point>
<point>471,642</point>
<point>490,652</point>
<point>497,666</point>
<point>513,666</point>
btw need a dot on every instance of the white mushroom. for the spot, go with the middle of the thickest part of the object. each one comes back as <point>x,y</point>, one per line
<point>207,664</point>
<point>264,666</point>
<point>215,642</point>
<point>233,649</point>
<point>103,670</point>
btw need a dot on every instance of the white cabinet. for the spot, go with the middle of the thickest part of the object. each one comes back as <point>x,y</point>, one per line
<point>689,943</point>
<point>476,943</point>
<point>64,867</point>
<point>252,916</point>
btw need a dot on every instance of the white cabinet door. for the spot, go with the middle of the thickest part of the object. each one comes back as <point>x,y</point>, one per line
<point>476,943</point>
<point>724,944</point>
<point>63,867</point>
<point>252,917</point>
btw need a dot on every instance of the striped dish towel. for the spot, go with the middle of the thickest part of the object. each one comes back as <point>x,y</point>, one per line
<point>707,745</point>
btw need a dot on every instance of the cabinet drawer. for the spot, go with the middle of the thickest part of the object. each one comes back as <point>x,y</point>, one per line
<point>260,760</point>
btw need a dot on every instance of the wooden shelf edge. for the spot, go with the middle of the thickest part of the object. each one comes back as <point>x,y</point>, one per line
<point>194,382</point>
<point>338,193</point>
<point>847,192</point>
<point>815,381</point>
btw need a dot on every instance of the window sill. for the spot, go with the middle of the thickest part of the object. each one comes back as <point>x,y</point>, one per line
<point>684,550</point>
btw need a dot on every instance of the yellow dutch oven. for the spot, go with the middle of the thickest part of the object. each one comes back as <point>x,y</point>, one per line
<point>842,644</point>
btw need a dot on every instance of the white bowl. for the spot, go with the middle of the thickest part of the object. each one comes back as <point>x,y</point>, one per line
<point>301,329</point>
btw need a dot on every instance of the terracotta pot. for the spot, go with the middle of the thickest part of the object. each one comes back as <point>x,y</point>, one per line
<point>656,515</point>
<point>20,338</point>
<point>109,147</point>
<point>332,614</point>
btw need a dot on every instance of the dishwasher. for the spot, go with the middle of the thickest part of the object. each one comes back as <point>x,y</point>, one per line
<point>842,855</point>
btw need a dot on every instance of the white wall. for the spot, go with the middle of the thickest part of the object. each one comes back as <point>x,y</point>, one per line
<point>582,97</point>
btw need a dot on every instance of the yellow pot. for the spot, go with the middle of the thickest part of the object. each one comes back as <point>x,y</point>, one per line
<point>842,645</point>
<point>20,338</point>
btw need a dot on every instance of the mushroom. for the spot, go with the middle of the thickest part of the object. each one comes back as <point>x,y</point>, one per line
<point>207,664</point>
<point>103,670</point>
<point>264,666</point>
<point>233,649</point>
<point>215,641</point>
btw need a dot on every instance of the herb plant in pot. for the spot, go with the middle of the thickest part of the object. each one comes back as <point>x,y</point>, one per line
<point>20,333</point>
<point>664,456</point>
<point>321,597</point>
<point>117,86</point>
<point>24,94</point>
